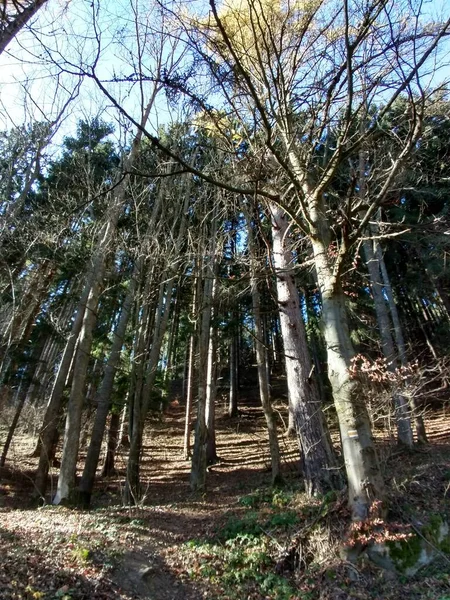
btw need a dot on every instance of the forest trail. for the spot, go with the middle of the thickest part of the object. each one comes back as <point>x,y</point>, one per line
<point>143,552</point>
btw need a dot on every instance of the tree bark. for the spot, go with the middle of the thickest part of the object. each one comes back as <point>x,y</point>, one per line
<point>66,479</point>
<point>365,482</point>
<point>211,395</point>
<point>111,446</point>
<point>263,366</point>
<point>198,468</point>
<point>320,471</point>
<point>104,395</point>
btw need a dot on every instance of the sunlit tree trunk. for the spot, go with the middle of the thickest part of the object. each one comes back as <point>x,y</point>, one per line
<point>317,456</point>
<point>365,482</point>
<point>211,394</point>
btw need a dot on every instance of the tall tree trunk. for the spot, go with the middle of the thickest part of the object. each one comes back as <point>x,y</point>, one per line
<point>104,395</point>
<point>198,468</point>
<point>106,237</point>
<point>263,366</point>
<point>190,384</point>
<point>66,479</point>
<point>318,460</point>
<point>365,482</point>
<point>141,405</point>
<point>48,432</point>
<point>211,396</point>
<point>402,412</point>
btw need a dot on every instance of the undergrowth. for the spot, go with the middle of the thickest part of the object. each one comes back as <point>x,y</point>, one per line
<point>242,558</point>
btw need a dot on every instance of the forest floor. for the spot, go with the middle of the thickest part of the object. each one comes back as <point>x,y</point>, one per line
<point>241,540</point>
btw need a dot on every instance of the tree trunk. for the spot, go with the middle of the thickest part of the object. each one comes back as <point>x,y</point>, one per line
<point>198,468</point>
<point>318,460</point>
<point>111,446</point>
<point>233,396</point>
<point>141,405</point>
<point>365,482</point>
<point>263,366</point>
<point>104,395</point>
<point>400,342</point>
<point>48,431</point>
<point>190,379</point>
<point>107,233</point>
<point>402,412</point>
<point>211,395</point>
<point>66,480</point>
<point>12,428</point>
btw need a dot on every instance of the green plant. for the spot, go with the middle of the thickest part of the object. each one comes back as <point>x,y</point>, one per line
<point>81,554</point>
<point>236,527</point>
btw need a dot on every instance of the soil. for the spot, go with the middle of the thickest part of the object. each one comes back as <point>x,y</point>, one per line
<point>114,551</point>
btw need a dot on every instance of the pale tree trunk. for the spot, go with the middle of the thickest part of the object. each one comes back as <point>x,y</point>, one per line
<point>211,389</point>
<point>104,395</point>
<point>320,471</point>
<point>48,432</point>
<point>66,480</point>
<point>402,412</point>
<point>105,391</point>
<point>189,398</point>
<point>198,468</point>
<point>400,342</point>
<point>123,439</point>
<point>365,482</point>
<point>263,366</point>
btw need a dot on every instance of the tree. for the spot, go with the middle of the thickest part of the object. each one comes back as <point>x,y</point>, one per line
<point>294,73</point>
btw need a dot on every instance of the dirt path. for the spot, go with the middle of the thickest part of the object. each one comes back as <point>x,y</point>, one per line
<point>114,552</point>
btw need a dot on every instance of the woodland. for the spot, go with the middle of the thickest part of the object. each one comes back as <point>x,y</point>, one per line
<point>225,301</point>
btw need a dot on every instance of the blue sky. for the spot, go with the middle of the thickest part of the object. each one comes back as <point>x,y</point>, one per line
<point>33,88</point>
